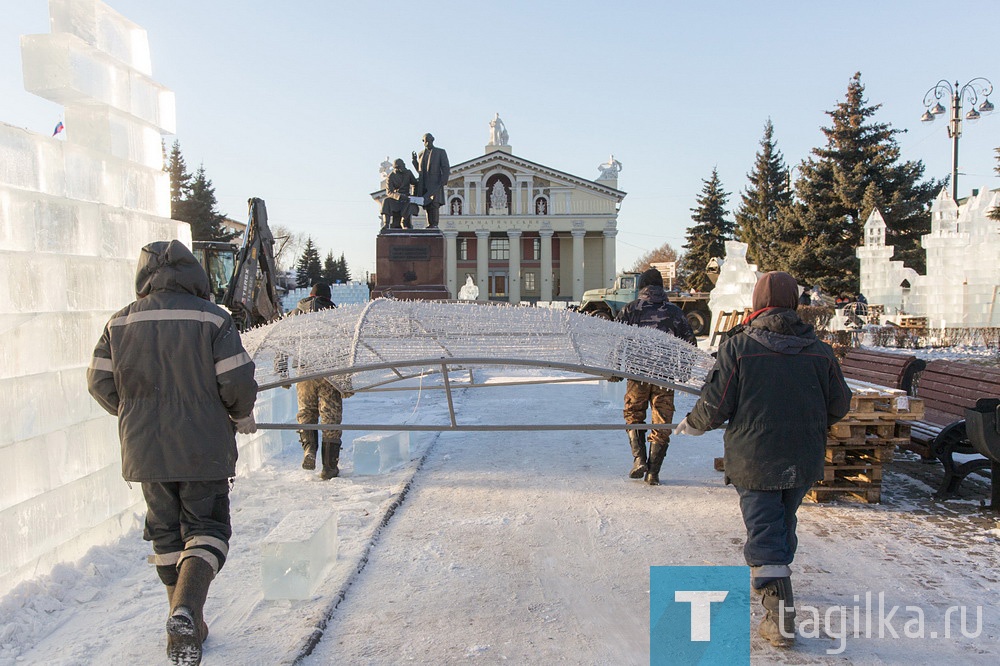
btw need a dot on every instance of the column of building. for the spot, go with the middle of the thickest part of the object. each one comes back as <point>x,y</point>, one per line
<point>609,257</point>
<point>450,261</point>
<point>578,235</point>
<point>483,264</point>
<point>546,276</point>
<point>514,267</point>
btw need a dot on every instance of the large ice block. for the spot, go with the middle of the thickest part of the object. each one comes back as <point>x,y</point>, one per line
<point>612,393</point>
<point>115,133</point>
<point>379,452</point>
<point>96,23</point>
<point>65,69</point>
<point>297,554</point>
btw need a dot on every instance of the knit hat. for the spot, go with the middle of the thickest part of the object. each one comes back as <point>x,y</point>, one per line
<point>776,289</point>
<point>321,289</point>
<point>651,277</point>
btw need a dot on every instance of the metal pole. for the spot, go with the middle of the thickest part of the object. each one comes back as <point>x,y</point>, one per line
<point>956,131</point>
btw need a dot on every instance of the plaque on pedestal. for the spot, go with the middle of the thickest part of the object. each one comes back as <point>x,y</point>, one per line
<point>409,264</point>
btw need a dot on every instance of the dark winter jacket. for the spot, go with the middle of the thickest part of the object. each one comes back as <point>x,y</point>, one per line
<point>652,309</point>
<point>172,368</point>
<point>780,388</point>
<point>312,304</point>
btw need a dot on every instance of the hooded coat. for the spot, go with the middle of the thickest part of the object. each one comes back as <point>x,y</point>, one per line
<point>172,368</point>
<point>780,388</point>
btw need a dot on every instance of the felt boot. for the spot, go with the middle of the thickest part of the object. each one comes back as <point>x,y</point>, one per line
<point>185,633</point>
<point>778,625</point>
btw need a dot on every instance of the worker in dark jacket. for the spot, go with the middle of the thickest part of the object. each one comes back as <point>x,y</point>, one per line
<point>172,368</point>
<point>319,401</point>
<point>651,309</point>
<point>781,389</point>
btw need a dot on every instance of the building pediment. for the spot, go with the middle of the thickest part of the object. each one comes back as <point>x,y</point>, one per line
<point>520,169</point>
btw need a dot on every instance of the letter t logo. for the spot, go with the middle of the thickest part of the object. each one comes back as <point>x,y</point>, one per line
<point>701,610</point>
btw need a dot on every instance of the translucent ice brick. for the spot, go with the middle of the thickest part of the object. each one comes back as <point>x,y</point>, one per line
<point>297,553</point>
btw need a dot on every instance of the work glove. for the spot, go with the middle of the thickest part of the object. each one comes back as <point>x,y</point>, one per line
<point>246,425</point>
<point>685,428</point>
<point>615,379</point>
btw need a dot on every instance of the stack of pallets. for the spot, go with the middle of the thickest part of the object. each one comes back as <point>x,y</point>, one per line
<point>860,445</point>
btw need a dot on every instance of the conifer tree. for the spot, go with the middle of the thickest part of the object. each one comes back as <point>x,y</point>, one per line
<point>707,238</point>
<point>343,272</point>
<point>330,268</point>
<point>856,171</point>
<point>757,217</point>
<point>205,220</point>
<point>309,270</point>
<point>180,183</point>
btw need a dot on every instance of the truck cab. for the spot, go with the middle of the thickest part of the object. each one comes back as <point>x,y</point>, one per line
<point>219,261</point>
<point>606,303</point>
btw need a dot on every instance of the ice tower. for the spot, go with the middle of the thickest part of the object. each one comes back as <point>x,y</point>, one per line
<point>962,284</point>
<point>883,281</point>
<point>734,288</point>
<point>74,212</point>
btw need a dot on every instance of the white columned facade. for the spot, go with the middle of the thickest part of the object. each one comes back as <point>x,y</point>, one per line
<point>609,257</point>
<point>483,264</point>
<point>514,267</point>
<point>450,261</point>
<point>546,258</point>
<point>578,262</point>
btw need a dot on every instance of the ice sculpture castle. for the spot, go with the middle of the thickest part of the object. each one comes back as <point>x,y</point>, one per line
<point>962,284</point>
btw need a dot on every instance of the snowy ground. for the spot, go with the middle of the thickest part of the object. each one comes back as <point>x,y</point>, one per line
<point>523,548</point>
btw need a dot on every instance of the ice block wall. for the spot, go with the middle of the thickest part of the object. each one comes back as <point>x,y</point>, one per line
<point>962,285</point>
<point>74,211</point>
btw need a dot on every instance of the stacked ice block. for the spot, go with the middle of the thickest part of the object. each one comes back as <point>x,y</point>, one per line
<point>734,288</point>
<point>74,212</point>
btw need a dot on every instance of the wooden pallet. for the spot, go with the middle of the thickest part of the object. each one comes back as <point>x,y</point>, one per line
<point>871,494</point>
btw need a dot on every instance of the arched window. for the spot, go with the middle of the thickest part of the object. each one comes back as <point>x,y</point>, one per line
<point>498,195</point>
<point>455,206</point>
<point>541,206</point>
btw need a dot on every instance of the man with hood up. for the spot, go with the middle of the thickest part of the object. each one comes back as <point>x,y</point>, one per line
<point>781,389</point>
<point>172,368</point>
<point>651,309</point>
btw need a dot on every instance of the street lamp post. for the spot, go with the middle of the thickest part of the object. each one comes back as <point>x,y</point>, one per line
<point>969,92</point>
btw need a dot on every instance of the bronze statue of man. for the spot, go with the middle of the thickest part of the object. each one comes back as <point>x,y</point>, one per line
<point>396,208</point>
<point>433,171</point>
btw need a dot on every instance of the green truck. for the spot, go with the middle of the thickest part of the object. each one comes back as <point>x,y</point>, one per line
<point>607,302</point>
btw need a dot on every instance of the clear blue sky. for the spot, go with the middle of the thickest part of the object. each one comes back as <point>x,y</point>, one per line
<point>299,102</point>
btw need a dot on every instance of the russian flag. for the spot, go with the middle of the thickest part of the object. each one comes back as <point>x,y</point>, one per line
<point>59,128</point>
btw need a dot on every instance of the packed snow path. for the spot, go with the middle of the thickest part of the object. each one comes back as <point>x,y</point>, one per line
<point>522,548</point>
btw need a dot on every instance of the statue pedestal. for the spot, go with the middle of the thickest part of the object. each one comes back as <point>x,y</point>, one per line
<point>409,264</point>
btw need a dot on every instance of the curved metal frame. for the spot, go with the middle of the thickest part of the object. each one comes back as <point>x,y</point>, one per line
<point>445,367</point>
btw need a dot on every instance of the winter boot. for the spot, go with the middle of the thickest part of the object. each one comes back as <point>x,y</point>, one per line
<point>170,604</point>
<point>331,458</point>
<point>186,629</point>
<point>778,625</point>
<point>657,452</point>
<point>309,458</point>
<point>310,444</point>
<point>637,438</point>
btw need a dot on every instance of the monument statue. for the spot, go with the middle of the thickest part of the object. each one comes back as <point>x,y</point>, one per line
<point>396,207</point>
<point>498,132</point>
<point>469,292</point>
<point>385,169</point>
<point>433,169</point>
<point>610,169</point>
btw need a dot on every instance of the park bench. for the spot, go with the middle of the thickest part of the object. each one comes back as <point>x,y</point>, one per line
<point>895,371</point>
<point>948,389</point>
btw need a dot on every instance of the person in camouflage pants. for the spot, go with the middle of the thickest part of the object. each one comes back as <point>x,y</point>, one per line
<point>651,309</point>
<point>319,401</point>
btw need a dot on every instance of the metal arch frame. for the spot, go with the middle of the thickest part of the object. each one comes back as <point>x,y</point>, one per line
<point>468,364</point>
